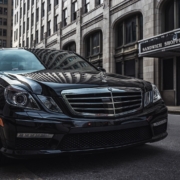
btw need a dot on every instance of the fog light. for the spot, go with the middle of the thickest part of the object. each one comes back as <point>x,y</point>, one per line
<point>160,122</point>
<point>34,135</point>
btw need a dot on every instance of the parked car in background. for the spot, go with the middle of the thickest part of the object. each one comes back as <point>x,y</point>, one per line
<point>54,102</point>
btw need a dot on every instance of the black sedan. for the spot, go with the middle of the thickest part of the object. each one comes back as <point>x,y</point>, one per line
<point>54,102</point>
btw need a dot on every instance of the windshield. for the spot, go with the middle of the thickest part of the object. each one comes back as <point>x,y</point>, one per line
<point>39,59</point>
<point>62,60</point>
<point>19,60</point>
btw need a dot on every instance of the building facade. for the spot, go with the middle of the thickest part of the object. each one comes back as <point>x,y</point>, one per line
<point>6,14</point>
<point>105,32</point>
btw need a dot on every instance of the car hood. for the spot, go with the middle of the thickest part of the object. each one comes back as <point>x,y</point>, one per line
<point>53,82</point>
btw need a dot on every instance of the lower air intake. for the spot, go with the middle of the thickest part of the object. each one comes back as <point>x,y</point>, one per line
<point>104,139</point>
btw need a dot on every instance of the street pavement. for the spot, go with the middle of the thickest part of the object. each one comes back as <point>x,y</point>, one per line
<point>160,160</point>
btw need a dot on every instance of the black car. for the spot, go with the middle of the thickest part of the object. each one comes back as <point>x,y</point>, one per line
<point>54,102</point>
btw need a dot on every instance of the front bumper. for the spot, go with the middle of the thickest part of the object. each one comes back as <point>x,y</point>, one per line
<point>81,135</point>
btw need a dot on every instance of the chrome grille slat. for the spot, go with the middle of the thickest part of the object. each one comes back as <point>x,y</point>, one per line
<point>103,102</point>
<point>88,98</point>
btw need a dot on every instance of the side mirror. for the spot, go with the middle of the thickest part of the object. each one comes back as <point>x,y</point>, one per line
<point>101,69</point>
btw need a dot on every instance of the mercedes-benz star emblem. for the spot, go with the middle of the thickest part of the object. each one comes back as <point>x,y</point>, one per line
<point>110,89</point>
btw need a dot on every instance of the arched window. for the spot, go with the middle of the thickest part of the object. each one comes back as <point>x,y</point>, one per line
<point>170,15</point>
<point>129,30</point>
<point>70,47</point>
<point>93,48</point>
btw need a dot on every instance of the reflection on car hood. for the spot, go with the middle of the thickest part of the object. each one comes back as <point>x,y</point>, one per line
<point>58,80</point>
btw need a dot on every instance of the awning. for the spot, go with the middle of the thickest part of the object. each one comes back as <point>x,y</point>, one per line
<point>163,45</point>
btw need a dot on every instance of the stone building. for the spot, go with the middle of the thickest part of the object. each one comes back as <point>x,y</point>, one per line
<point>6,15</point>
<point>108,33</point>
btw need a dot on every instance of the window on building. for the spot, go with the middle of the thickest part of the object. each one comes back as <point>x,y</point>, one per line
<point>37,38</point>
<point>42,10</point>
<point>64,17</point>
<point>130,30</point>
<point>5,11</point>
<point>168,74</point>
<point>1,21</point>
<point>5,22</point>
<point>119,34</point>
<point>42,33</point>
<point>55,23</point>
<point>20,31</point>
<point>32,19</point>
<point>1,1</point>
<point>32,40</point>
<point>23,27</point>
<point>5,1</point>
<point>49,5</point>
<point>119,67</point>
<point>17,17</point>
<point>4,43</point>
<point>20,13</point>
<point>140,71</point>
<point>98,2</point>
<point>4,32</point>
<point>37,14</point>
<point>32,2</point>
<point>27,42</point>
<point>23,44</point>
<point>0,32</point>
<point>126,30</point>
<point>169,16</point>
<point>56,2</point>
<point>129,68</point>
<point>1,10</point>
<point>86,5</point>
<point>74,10</point>
<point>49,28</point>
<point>70,47</point>
<point>28,4</point>
<point>0,43</point>
<point>24,9</point>
<point>27,24</point>
<point>94,44</point>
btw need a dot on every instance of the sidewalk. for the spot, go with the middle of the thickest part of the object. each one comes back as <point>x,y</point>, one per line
<point>173,109</point>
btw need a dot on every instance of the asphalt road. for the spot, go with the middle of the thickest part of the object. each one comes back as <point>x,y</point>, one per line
<point>159,160</point>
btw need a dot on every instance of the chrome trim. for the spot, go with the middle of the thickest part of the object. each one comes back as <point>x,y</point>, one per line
<point>97,92</point>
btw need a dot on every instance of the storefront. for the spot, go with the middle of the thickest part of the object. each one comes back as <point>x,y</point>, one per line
<point>166,47</point>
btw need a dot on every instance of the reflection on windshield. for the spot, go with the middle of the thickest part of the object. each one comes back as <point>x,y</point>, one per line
<point>61,60</point>
<point>19,60</point>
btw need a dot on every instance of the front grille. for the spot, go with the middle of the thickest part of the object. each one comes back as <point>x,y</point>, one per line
<point>32,143</point>
<point>102,102</point>
<point>105,139</point>
<point>160,129</point>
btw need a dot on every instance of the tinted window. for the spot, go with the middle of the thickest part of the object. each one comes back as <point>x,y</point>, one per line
<point>19,60</point>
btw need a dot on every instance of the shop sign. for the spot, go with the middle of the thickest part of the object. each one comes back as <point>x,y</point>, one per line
<point>161,42</point>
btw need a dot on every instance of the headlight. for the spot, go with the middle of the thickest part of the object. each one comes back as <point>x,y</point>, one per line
<point>19,97</point>
<point>147,98</point>
<point>156,94</point>
<point>152,96</point>
<point>49,103</point>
